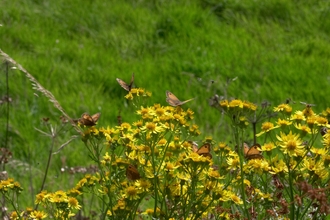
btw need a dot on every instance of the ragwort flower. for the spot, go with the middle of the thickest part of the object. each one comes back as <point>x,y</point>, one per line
<point>266,127</point>
<point>291,144</point>
<point>37,215</point>
<point>131,193</point>
<point>286,108</point>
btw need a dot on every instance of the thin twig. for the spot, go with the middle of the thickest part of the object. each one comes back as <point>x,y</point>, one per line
<point>66,143</point>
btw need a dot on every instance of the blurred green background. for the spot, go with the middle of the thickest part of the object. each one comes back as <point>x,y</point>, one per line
<point>275,50</point>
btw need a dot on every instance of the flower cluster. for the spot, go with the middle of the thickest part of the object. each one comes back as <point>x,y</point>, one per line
<point>295,150</point>
<point>154,167</point>
<point>153,158</point>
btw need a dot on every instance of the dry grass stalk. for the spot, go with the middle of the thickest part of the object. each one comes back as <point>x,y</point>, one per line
<point>37,86</point>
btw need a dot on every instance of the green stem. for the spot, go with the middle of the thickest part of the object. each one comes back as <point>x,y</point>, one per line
<point>292,214</point>
<point>240,150</point>
<point>47,166</point>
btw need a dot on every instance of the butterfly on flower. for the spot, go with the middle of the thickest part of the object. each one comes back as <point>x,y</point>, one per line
<point>204,150</point>
<point>132,173</point>
<point>88,120</point>
<point>124,85</point>
<point>252,152</point>
<point>173,100</point>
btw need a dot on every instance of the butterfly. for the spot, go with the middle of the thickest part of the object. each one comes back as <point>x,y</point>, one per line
<point>173,100</point>
<point>125,85</point>
<point>204,150</point>
<point>132,173</point>
<point>88,120</point>
<point>252,152</point>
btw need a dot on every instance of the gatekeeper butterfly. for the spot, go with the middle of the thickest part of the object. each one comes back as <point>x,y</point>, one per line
<point>124,85</point>
<point>173,100</point>
<point>88,120</point>
<point>252,152</point>
<point>132,173</point>
<point>204,150</point>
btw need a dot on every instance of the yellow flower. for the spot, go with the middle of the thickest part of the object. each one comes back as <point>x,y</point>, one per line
<point>190,114</point>
<point>298,116</point>
<point>106,158</point>
<point>304,129</point>
<point>279,166</point>
<point>160,111</point>
<point>131,193</point>
<point>249,106</point>
<point>257,166</point>
<point>151,211</point>
<point>224,103</point>
<point>183,176</point>
<point>58,197</point>
<point>14,215</point>
<point>236,199</point>
<point>124,126</point>
<point>74,192</point>
<point>326,159</point>
<point>170,167</point>
<point>5,184</point>
<point>326,112</point>
<point>283,122</point>
<point>233,163</point>
<point>129,96</point>
<point>162,142</point>
<point>286,108</point>
<point>315,168</point>
<point>268,146</point>
<point>319,151</point>
<point>321,121</point>
<point>143,185</point>
<point>38,215</point>
<point>152,127</point>
<point>311,121</point>
<point>291,144</point>
<point>121,204</point>
<point>326,139</point>
<point>265,196</point>
<point>73,203</point>
<point>138,123</point>
<point>145,113</point>
<point>214,174</point>
<point>235,103</point>
<point>266,127</point>
<point>41,197</point>
<point>247,182</point>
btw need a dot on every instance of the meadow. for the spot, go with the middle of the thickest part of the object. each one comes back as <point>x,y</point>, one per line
<point>257,51</point>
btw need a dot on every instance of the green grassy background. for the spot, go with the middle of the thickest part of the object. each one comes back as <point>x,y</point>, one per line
<point>277,49</point>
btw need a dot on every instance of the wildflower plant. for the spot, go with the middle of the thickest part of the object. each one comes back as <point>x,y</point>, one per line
<point>294,160</point>
<point>153,168</point>
<point>153,159</point>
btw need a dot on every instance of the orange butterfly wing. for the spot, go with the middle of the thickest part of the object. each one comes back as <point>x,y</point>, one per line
<point>88,120</point>
<point>132,173</point>
<point>96,117</point>
<point>205,150</point>
<point>173,100</point>
<point>124,85</point>
<point>252,152</point>
<point>194,146</point>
